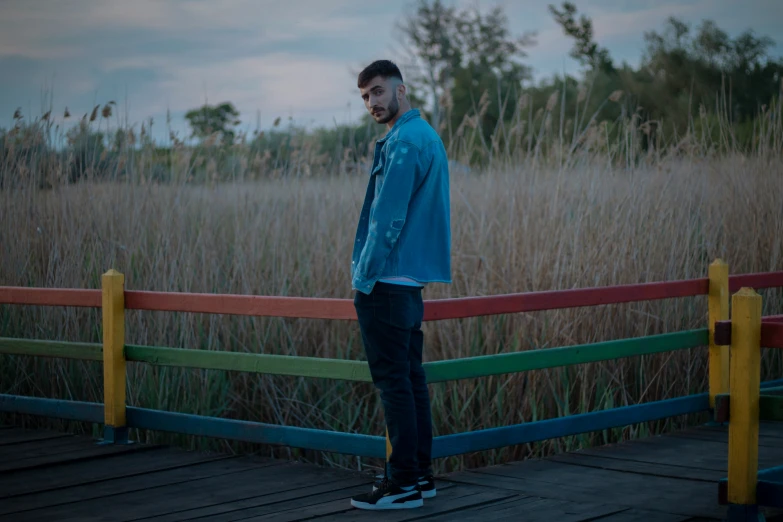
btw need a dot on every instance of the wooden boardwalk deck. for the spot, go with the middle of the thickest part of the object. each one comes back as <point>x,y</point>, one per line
<point>47,476</point>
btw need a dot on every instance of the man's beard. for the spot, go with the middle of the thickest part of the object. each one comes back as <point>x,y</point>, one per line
<point>392,109</point>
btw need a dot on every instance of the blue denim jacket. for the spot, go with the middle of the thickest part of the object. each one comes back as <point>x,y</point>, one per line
<point>404,228</point>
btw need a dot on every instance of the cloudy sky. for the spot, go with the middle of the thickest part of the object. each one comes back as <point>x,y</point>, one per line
<point>288,58</point>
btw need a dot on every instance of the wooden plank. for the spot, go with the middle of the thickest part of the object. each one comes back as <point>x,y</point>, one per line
<point>756,281</point>
<point>691,452</point>
<point>561,299</point>
<point>258,306</point>
<point>771,333</point>
<point>204,426</point>
<point>113,323</point>
<point>766,429</point>
<point>534,510</point>
<point>668,456</point>
<point>565,482</point>
<point>39,448</point>
<point>189,492</point>
<point>744,400</point>
<point>718,437</point>
<point>86,453</point>
<point>56,503</point>
<point>639,515</point>
<point>263,503</point>
<point>718,310</point>
<point>437,371</point>
<point>641,468</point>
<point>263,363</point>
<point>485,365</point>
<point>10,436</point>
<point>450,502</point>
<point>98,470</point>
<point>327,308</point>
<point>56,408</point>
<point>40,348</point>
<point>21,295</point>
<point>448,445</point>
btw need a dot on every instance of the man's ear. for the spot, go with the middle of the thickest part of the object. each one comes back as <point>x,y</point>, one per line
<point>401,89</point>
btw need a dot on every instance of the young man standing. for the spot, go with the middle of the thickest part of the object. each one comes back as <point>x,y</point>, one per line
<point>403,242</point>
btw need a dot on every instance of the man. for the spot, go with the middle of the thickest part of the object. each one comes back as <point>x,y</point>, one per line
<point>403,242</point>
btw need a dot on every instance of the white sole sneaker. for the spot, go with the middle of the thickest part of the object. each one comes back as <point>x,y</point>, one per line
<point>410,504</point>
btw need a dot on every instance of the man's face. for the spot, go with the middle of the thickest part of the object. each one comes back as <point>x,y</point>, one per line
<point>380,98</point>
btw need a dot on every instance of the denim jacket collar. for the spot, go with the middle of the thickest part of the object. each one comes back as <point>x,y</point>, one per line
<point>413,113</point>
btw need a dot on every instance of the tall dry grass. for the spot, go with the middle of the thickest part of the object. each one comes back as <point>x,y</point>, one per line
<point>543,221</point>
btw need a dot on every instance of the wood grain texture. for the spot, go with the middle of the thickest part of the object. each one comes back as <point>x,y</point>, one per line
<point>451,503</point>
<point>11,436</point>
<point>657,479</point>
<point>56,502</point>
<point>718,310</point>
<point>744,399</point>
<point>60,349</point>
<point>64,457</point>
<point>98,473</point>
<point>577,484</point>
<point>696,451</point>
<point>299,501</point>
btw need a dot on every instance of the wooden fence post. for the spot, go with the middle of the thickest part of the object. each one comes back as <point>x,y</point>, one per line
<point>744,403</point>
<point>388,452</point>
<point>115,430</point>
<point>718,310</point>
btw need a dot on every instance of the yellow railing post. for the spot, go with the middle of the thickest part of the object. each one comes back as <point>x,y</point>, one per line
<point>114,380</point>
<point>744,397</point>
<point>718,310</point>
<point>388,451</point>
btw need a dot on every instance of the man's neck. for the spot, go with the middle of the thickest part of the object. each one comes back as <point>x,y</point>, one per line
<point>404,109</point>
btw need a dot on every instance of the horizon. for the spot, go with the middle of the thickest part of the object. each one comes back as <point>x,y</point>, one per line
<point>151,57</point>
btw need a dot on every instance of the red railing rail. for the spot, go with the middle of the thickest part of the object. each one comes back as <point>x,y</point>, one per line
<point>332,308</point>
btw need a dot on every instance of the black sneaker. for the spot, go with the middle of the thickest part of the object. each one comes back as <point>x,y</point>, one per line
<point>426,485</point>
<point>387,495</point>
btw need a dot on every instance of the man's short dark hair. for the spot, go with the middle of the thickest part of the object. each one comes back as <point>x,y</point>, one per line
<point>384,68</point>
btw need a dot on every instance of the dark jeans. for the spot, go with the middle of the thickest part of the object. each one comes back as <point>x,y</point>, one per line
<point>390,321</point>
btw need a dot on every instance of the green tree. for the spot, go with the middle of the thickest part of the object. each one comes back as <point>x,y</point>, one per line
<point>210,119</point>
<point>585,49</point>
<point>430,43</point>
<point>460,56</point>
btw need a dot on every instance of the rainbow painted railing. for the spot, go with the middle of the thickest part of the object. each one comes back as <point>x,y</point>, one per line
<point>743,376</point>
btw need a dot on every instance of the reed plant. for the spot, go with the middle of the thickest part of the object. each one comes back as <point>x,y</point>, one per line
<point>542,205</point>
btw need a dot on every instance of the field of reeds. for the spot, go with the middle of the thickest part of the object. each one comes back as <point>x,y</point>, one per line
<point>610,205</point>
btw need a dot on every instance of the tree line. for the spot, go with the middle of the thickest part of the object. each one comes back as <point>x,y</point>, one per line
<point>467,72</point>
